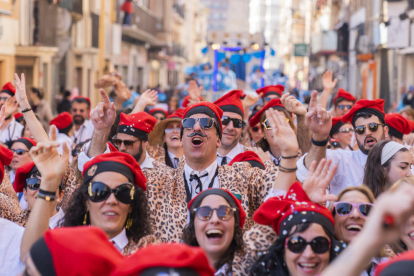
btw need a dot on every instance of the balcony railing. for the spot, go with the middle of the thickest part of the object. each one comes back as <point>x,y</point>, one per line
<point>143,20</point>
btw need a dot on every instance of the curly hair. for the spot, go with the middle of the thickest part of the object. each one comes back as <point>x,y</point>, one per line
<point>273,262</point>
<point>236,245</point>
<point>140,215</point>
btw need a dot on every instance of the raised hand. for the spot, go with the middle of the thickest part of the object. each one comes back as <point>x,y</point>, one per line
<point>104,114</point>
<point>318,119</point>
<point>264,156</point>
<point>282,134</point>
<point>11,106</point>
<point>317,181</point>
<point>293,105</point>
<point>48,161</point>
<point>21,97</point>
<point>149,97</point>
<point>194,90</point>
<point>2,117</point>
<point>327,82</point>
<point>250,100</point>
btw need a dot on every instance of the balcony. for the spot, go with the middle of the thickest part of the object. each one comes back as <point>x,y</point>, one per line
<point>142,26</point>
<point>324,43</point>
<point>45,24</point>
<point>177,50</point>
<point>75,7</point>
<point>179,9</point>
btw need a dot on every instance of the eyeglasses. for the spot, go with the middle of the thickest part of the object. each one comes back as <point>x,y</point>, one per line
<point>298,244</point>
<point>99,191</point>
<point>372,127</point>
<point>19,120</point>
<point>205,123</point>
<point>75,152</point>
<point>3,98</point>
<point>255,129</point>
<point>267,126</point>
<point>268,99</point>
<point>171,129</point>
<point>346,130</point>
<point>342,106</point>
<point>237,123</point>
<point>33,183</point>
<point>223,212</point>
<point>19,151</point>
<point>343,208</point>
<point>128,143</point>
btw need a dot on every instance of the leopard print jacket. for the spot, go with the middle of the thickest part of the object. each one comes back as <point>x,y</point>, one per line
<point>132,246</point>
<point>157,152</point>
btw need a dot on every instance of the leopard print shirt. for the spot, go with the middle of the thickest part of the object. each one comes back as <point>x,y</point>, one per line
<point>132,246</point>
<point>157,152</point>
<point>71,181</point>
<point>9,204</point>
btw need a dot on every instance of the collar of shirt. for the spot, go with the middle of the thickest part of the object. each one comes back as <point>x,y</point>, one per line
<point>362,158</point>
<point>53,221</point>
<point>121,240</point>
<point>147,164</point>
<point>12,176</point>
<point>172,156</point>
<point>272,158</point>
<point>211,170</point>
<point>239,148</point>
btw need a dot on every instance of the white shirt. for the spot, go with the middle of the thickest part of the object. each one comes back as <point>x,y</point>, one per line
<point>12,132</point>
<point>147,164</point>
<point>375,262</point>
<point>53,221</point>
<point>239,148</point>
<point>11,236</point>
<point>172,156</point>
<point>350,173</point>
<point>83,157</point>
<point>83,133</point>
<point>274,159</point>
<point>120,241</point>
<point>205,181</point>
<point>12,176</point>
<point>63,138</point>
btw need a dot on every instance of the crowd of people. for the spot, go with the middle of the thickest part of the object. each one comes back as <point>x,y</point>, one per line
<point>250,184</point>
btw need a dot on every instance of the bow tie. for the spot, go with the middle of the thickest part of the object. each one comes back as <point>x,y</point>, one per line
<point>199,186</point>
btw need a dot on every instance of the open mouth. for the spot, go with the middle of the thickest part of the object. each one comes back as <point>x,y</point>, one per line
<point>411,235</point>
<point>370,141</point>
<point>308,266</point>
<point>197,141</point>
<point>174,138</point>
<point>354,227</point>
<point>214,234</point>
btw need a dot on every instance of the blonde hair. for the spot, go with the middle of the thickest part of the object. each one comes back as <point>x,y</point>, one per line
<point>409,110</point>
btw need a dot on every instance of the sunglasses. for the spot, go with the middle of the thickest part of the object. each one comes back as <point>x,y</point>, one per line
<point>128,143</point>
<point>346,130</point>
<point>267,126</point>
<point>255,129</point>
<point>372,127</point>
<point>98,192</point>
<point>223,212</point>
<point>205,123</point>
<point>342,106</point>
<point>19,120</point>
<point>19,151</point>
<point>3,98</point>
<point>33,183</point>
<point>237,123</point>
<point>298,244</point>
<point>171,129</point>
<point>75,152</point>
<point>343,208</point>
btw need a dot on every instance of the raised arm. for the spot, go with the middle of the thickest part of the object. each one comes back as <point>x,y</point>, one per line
<point>147,98</point>
<point>102,117</point>
<point>36,127</point>
<point>328,84</point>
<point>249,101</point>
<point>51,167</point>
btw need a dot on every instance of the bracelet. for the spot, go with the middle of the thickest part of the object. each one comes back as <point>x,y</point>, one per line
<point>48,196</point>
<point>290,157</point>
<point>320,143</point>
<point>287,170</point>
<point>26,110</point>
<point>8,117</point>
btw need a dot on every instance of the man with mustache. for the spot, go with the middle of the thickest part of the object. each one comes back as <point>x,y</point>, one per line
<point>83,126</point>
<point>367,118</point>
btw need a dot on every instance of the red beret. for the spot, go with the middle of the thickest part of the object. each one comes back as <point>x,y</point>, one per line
<point>158,110</point>
<point>81,250</point>
<point>398,123</point>
<point>231,102</point>
<point>207,108</point>
<point>112,148</point>
<point>274,103</point>
<point>21,174</point>
<point>28,142</point>
<point>186,101</point>
<point>344,94</point>
<point>336,125</point>
<point>231,198</point>
<point>6,157</point>
<point>18,115</point>
<point>249,156</point>
<point>179,113</point>
<point>412,125</point>
<point>9,89</point>
<point>294,208</point>
<point>271,90</point>
<point>62,121</point>
<point>374,107</point>
<point>138,124</point>
<point>119,162</point>
<point>166,255</point>
<point>83,98</point>
<point>401,265</point>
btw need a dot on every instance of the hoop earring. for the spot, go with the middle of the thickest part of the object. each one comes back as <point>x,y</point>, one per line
<point>85,218</point>
<point>128,222</point>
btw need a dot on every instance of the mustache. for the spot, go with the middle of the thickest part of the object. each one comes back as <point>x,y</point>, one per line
<point>196,134</point>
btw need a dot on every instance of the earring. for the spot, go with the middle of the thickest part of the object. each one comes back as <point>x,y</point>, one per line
<point>128,222</point>
<point>85,218</point>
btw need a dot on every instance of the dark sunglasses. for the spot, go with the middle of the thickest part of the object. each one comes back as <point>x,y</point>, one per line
<point>75,152</point>
<point>343,208</point>
<point>237,123</point>
<point>33,183</point>
<point>346,130</point>
<point>223,212</point>
<point>19,120</point>
<point>205,123</point>
<point>372,127</point>
<point>19,151</point>
<point>298,244</point>
<point>342,106</point>
<point>99,191</point>
<point>255,129</point>
<point>128,143</point>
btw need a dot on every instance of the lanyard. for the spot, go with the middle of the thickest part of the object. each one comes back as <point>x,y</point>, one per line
<point>80,134</point>
<point>11,134</point>
<point>187,189</point>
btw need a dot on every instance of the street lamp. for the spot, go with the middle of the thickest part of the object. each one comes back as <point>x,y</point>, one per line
<point>215,46</point>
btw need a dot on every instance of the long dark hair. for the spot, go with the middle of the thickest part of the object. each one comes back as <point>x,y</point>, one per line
<point>376,175</point>
<point>140,215</point>
<point>236,245</point>
<point>273,262</point>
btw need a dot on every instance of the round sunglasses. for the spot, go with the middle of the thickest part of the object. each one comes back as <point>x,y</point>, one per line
<point>19,151</point>
<point>298,244</point>
<point>223,212</point>
<point>205,123</point>
<point>343,208</point>
<point>372,127</point>
<point>99,191</point>
<point>33,183</point>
